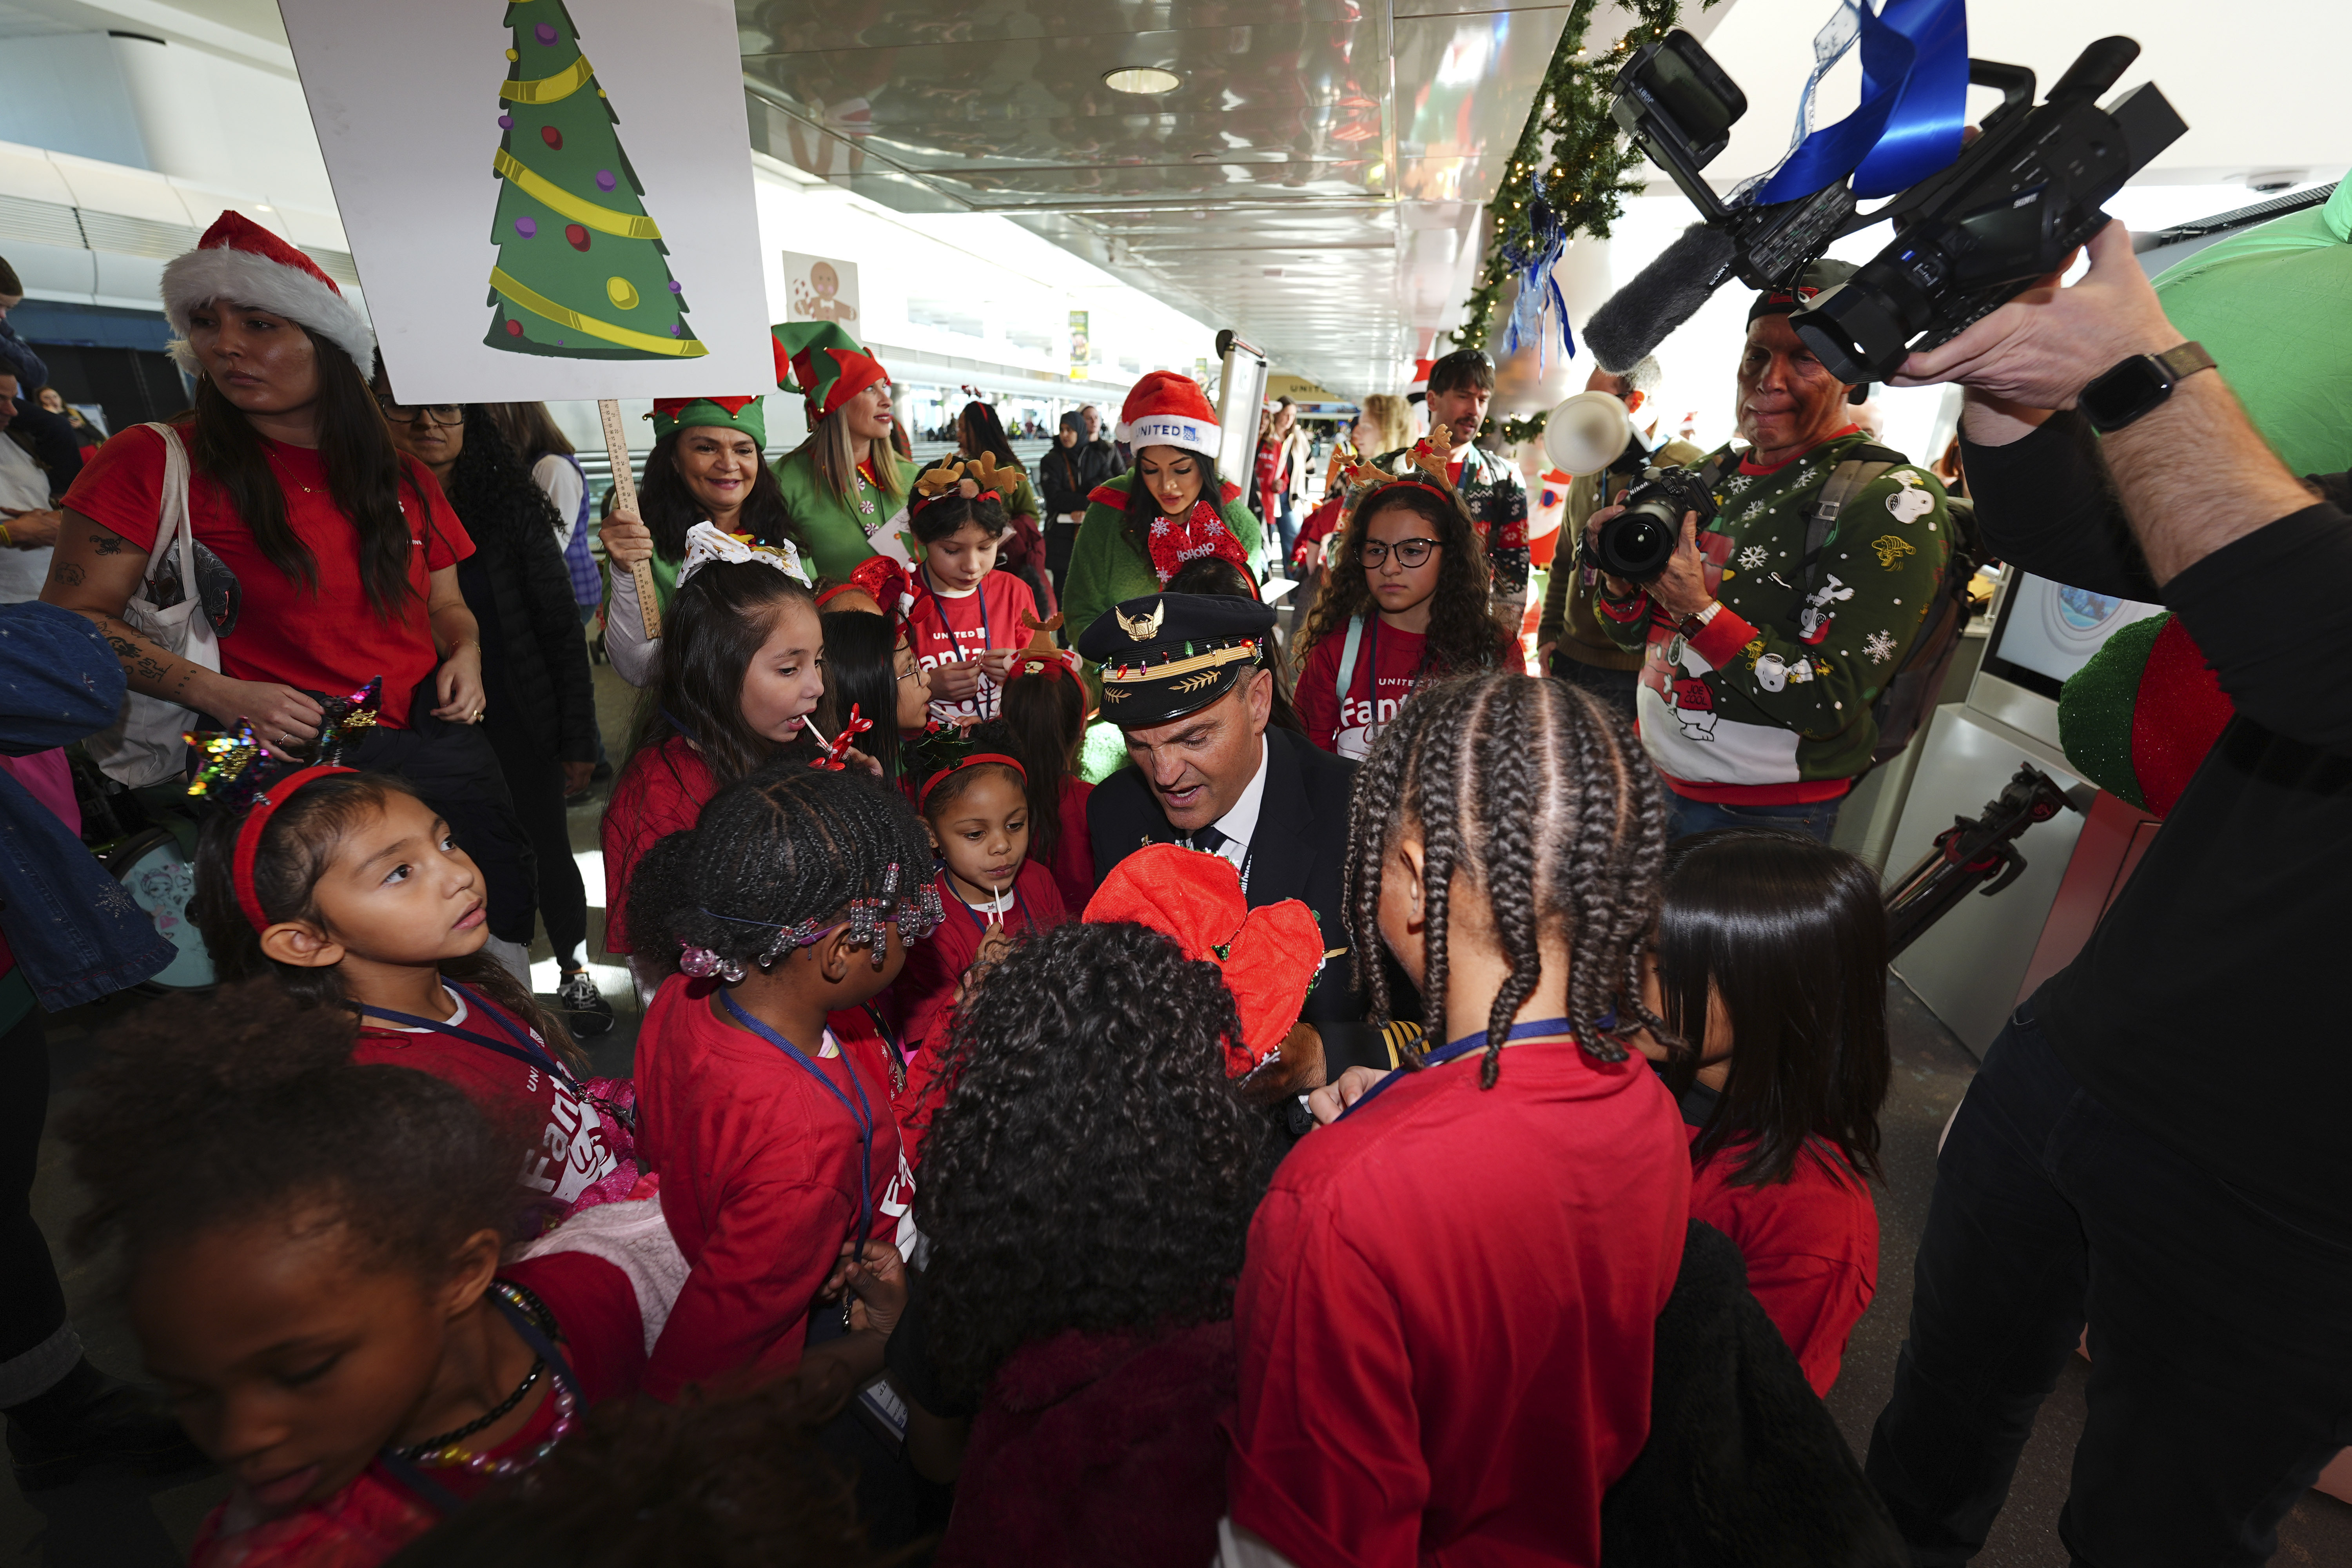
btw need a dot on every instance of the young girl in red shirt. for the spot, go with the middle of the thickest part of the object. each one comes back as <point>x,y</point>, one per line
<point>966,625</point>
<point>1044,723</point>
<point>1449,1308</point>
<point>314,1259</point>
<point>1771,967</point>
<point>870,666</point>
<point>355,895</point>
<point>1407,595</point>
<point>742,668</point>
<point>977,813</point>
<point>795,896</point>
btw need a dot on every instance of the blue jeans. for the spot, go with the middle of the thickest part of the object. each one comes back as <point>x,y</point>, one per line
<point>1685,817</point>
<point>1286,523</point>
<point>2219,1384</point>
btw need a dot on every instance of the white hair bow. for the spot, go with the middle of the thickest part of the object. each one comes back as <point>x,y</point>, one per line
<point>706,543</point>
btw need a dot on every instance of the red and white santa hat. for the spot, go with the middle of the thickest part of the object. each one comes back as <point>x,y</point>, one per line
<point>243,263</point>
<point>1168,408</point>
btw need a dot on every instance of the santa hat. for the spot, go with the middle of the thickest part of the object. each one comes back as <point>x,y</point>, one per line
<point>1167,408</point>
<point>1270,955</point>
<point>823,363</point>
<point>242,262</point>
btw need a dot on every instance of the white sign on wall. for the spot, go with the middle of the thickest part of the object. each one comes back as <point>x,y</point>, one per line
<point>821,288</point>
<point>553,201</point>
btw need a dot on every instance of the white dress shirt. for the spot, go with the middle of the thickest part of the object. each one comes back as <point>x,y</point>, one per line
<point>1239,825</point>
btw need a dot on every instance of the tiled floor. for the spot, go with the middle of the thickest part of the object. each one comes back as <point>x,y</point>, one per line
<point>114,1525</point>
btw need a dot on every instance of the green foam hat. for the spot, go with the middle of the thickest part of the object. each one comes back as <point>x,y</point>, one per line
<point>823,363</point>
<point>748,414</point>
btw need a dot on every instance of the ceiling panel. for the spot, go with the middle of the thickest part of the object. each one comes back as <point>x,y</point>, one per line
<point>1313,180</point>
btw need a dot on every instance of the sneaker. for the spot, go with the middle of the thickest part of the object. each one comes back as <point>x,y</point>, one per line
<point>590,1014</point>
<point>119,1427</point>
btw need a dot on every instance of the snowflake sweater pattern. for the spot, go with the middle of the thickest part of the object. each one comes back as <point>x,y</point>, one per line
<point>1770,701</point>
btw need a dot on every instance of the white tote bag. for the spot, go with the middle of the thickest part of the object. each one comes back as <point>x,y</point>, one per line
<point>144,746</point>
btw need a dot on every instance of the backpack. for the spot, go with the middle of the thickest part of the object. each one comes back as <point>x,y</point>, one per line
<point>1907,701</point>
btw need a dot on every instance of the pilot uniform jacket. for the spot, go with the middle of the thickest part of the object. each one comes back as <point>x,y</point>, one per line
<point>1296,851</point>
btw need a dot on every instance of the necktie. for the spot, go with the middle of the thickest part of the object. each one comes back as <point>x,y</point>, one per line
<point>1208,839</point>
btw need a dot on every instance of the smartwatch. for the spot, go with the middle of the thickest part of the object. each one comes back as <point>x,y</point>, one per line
<point>2139,385</point>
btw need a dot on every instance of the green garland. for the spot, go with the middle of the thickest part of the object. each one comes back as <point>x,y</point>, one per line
<point>1582,175</point>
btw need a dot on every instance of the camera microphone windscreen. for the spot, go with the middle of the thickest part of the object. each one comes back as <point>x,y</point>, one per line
<point>1661,297</point>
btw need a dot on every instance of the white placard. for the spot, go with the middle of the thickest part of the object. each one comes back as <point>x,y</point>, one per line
<point>822,288</point>
<point>582,225</point>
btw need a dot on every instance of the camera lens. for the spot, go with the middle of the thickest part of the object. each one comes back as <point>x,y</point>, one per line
<point>1637,544</point>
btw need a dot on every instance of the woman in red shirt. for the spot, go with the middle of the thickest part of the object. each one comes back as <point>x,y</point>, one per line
<point>1771,966</point>
<point>1408,587</point>
<point>1448,1312</point>
<point>340,553</point>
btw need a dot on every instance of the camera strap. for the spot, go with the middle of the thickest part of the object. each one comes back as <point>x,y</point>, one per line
<point>1847,481</point>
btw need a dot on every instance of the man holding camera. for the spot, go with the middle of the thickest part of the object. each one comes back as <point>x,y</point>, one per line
<point>2156,1143</point>
<point>1769,635</point>
<point>1571,645</point>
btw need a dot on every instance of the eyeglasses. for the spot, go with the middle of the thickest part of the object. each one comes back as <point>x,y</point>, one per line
<point>433,412</point>
<point>1410,553</point>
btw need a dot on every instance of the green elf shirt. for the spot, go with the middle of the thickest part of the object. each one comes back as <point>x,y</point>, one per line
<point>1770,702</point>
<point>1106,568</point>
<point>839,532</point>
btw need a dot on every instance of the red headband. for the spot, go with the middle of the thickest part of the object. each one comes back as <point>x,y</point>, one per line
<point>249,837</point>
<point>971,762</point>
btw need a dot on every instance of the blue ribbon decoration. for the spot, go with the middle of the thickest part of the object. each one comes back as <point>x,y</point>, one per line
<point>1538,291</point>
<point>1914,84</point>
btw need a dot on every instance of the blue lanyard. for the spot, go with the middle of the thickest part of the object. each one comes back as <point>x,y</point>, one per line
<point>1455,1049</point>
<point>951,896</point>
<point>939,603</point>
<point>524,1050</point>
<point>862,1113</point>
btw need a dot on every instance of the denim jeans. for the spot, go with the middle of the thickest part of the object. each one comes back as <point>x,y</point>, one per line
<point>1685,817</point>
<point>2220,1378</point>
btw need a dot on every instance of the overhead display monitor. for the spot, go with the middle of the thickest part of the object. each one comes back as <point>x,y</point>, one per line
<point>2047,631</point>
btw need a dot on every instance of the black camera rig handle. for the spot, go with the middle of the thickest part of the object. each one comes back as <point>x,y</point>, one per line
<point>1977,852</point>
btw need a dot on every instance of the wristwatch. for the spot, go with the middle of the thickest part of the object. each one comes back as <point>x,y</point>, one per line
<point>2139,385</point>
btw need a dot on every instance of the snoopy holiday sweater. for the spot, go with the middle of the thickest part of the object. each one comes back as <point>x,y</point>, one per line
<point>1770,702</point>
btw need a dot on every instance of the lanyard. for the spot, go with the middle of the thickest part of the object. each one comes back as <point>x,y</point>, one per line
<point>950,895</point>
<point>898,1051</point>
<point>1454,1049</point>
<point>939,603</point>
<point>524,1048</point>
<point>862,1113</point>
<point>409,1474</point>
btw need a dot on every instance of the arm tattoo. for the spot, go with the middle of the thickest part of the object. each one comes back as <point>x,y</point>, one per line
<point>69,572</point>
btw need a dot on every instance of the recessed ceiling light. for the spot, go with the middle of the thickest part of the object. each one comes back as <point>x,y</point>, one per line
<point>1141,79</point>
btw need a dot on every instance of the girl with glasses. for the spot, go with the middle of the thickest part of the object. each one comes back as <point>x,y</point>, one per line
<point>1405,601</point>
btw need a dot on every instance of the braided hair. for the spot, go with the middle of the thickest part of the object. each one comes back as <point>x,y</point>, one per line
<point>1537,796</point>
<point>784,851</point>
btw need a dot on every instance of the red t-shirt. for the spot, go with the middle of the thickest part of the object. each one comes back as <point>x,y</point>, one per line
<point>1388,666</point>
<point>1446,1317</point>
<point>595,1311</point>
<point>568,1151</point>
<point>1810,1244</point>
<point>1072,863</point>
<point>943,630</point>
<point>330,641</point>
<point>662,791</point>
<point>926,987</point>
<point>759,1180</point>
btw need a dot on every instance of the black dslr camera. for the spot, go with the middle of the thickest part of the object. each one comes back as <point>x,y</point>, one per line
<point>1969,239</point>
<point>1637,543</point>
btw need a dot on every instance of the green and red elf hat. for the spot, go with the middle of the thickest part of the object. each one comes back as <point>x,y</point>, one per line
<point>2139,717</point>
<point>823,363</point>
<point>748,414</point>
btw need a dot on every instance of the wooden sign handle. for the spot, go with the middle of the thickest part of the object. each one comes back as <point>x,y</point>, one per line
<point>624,499</point>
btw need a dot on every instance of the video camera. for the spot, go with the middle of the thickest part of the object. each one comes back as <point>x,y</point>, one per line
<point>1969,239</point>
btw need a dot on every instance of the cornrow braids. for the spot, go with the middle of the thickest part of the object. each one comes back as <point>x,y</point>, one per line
<point>1540,798</point>
<point>776,857</point>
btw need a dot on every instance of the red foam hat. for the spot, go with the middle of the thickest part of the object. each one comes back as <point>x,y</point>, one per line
<point>1270,955</point>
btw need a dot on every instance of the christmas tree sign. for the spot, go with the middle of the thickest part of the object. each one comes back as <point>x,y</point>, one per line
<point>546,199</point>
<point>581,271</point>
